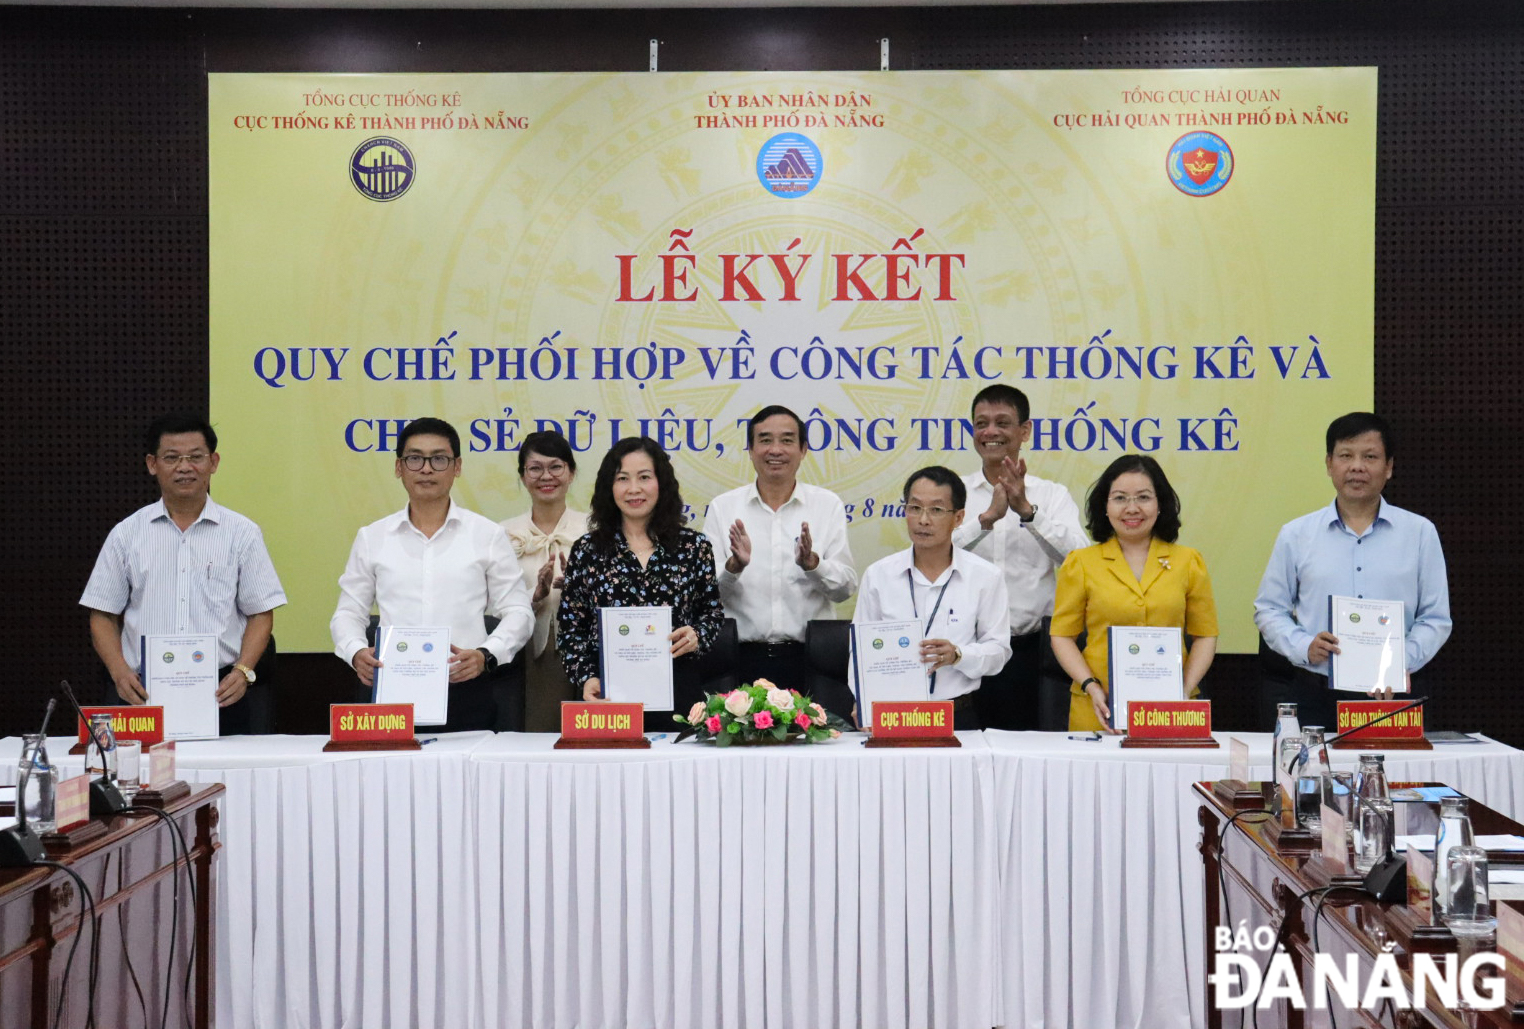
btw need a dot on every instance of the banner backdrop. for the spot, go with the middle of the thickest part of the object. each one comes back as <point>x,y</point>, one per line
<point>1171,262</point>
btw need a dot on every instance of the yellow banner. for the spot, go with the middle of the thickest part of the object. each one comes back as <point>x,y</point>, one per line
<point>1170,262</point>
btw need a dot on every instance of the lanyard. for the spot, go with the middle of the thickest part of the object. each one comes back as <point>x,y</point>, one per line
<point>910,582</point>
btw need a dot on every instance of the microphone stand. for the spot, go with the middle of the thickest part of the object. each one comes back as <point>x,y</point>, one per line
<point>105,798</point>
<point>1387,879</point>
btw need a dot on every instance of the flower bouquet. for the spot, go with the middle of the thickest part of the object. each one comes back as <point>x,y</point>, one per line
<point>759,713</point>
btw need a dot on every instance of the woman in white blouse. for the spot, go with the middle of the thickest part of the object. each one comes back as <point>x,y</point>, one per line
<point>542,537</point>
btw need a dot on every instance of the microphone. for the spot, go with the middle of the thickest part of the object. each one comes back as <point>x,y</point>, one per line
<point>1386,881</point>
<point>105,798</point>
<point>20,847</point>
<point>1301,757</point>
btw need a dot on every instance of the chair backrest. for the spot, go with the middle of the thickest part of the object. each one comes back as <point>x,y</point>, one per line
<point>717,665</point>
<point>828,642</point>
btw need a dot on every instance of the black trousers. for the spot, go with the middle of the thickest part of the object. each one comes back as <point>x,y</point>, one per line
<point>1009,699</point>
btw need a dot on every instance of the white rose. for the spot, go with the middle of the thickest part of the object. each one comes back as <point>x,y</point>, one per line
<point>738,703</point>
<point>783,700</point>
<point>764,683</point>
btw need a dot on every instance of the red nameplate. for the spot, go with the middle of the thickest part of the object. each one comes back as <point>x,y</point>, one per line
<point>602,720</point>
<point>1355,713</point>
<point>1169,719</point>
<point>72,802</point>
<point>143,723</point>
<point>370,723</point>
<point>912,719</point>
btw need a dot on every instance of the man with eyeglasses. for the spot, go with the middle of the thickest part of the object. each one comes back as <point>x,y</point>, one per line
<point>958,598</point>
<point>185,564</point>
<point>780,547</point>
<point>1026,527</point>
<point>436,564</point>
<point>1360,545</point>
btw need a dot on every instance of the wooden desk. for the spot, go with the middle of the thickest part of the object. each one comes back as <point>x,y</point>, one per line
<point>1263,878</point>
<point>134,874</point>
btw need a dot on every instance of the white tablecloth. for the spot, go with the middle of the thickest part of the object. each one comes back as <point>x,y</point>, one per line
<point>807,886</point>
<point>347,886</point>
<point>1024,879</point>
<point>1102,911</point>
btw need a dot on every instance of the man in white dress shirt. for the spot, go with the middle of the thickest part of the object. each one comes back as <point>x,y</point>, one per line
<point>1027,527</point>
<point>436,564</point>
<point>780,547</point>
<point>957,597</point>
<point>185,564</point>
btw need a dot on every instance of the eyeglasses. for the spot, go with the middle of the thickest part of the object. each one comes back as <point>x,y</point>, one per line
<point>438,462</point>
<point>555,469</point>
<point>916,511</point>
<point>1126,500</point>
<point>176,460</point>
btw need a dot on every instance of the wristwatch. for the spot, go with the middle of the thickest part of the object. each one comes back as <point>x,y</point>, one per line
<point>248,673</point>
<point>1085,686</point>
<point>1027,520</point>
<point>491,664</point>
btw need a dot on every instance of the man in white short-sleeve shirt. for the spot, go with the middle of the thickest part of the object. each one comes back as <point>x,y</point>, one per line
<point>185,564</point>
<point>782,557</point>
<point>436,564</point>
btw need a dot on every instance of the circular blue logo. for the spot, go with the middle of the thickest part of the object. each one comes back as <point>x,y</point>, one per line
<point>1200,163</point>
<point>904,642</point>
<point>197,656</point>
<point>428,648</point>
<point>789,165</point>
<point>381,168</point>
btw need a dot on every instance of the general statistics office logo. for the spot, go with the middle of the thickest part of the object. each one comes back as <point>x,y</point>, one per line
<point>789,165</point>
<point>381,168</point>
<point>1200,163</point>
<point>169,657</point>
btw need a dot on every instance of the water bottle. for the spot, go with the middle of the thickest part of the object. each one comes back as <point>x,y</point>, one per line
<point>1309,779</point>
<point>1284,745</point>
<point>38,799</point>
<point>1374,833</point>
<point>1470,910</point>
<point>100,729</point>
<point>1454,831</point>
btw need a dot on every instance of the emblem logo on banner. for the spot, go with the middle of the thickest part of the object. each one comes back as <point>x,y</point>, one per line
<point>169,658</point>
<point>1200,163</point>
<point>197,656</point>
<point>789,165</point>
<point>381,169</point>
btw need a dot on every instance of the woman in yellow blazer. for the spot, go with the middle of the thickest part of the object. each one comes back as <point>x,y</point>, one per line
<point>1135,575</point>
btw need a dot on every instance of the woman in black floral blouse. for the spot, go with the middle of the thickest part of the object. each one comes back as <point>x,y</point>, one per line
<point>638,554</point>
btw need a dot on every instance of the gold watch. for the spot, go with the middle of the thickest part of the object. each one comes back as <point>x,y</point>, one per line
<point>248,673</point>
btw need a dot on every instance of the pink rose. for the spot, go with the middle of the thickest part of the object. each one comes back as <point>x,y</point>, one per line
<point>763,720</point>
<point>738,702</point>
<point>820,715</point>
<point>713,724</point>
<point>764,683</point>
<point>802,720</point>
<point>696,713</point>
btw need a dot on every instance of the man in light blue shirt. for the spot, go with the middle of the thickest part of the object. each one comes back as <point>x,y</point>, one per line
<point>1358,546</point>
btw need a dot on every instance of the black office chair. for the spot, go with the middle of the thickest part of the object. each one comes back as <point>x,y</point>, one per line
<point>261,697</point>
<point>1053,686</point>
<point>717,665</point>
<point>828,642</point>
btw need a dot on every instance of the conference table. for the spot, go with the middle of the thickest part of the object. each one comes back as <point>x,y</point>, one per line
<point>1021,879</point>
